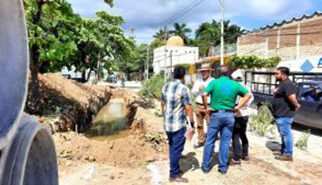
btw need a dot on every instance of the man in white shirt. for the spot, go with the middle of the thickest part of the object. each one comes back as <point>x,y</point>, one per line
<point>200,110</point>
<point>240,151</point>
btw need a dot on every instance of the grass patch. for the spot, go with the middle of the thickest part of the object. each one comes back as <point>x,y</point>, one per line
<point>302,143</point>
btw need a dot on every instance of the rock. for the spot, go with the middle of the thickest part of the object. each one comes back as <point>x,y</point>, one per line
<point>112,177</point>
<point>111,145</point>
<point>131,154</point>
<point>142,143</point>
<point>90,158</point>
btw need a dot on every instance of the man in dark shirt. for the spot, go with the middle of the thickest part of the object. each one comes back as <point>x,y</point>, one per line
<point>284,106</point>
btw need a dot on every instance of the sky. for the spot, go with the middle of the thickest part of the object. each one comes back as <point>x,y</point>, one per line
<point>148,16</point>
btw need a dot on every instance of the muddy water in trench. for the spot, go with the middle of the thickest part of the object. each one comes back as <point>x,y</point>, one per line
<point>111,122</point>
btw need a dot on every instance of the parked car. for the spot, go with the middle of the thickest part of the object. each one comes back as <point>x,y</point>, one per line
<point>112,79</point>
<point>309,93</point>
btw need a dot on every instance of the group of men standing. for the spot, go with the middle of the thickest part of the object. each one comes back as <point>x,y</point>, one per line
<point>224,104</point>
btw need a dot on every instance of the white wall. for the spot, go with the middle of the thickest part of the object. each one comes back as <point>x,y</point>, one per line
<point>180,55</point>
<point>295,65</point>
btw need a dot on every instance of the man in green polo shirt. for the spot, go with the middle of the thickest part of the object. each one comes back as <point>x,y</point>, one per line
<point>223,93</point>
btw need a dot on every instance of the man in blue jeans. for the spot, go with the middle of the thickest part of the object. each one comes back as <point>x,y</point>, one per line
<point>223,92</point>
<point>284,106</point>
<point>176,102</point>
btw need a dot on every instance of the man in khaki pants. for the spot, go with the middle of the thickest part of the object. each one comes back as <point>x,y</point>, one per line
<point>200,111</point>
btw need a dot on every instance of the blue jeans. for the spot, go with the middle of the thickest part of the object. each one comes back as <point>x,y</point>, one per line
<point>223,123</point>
<point>284,125</point>
<point>176,146</point>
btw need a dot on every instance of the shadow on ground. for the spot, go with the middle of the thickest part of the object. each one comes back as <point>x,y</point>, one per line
<point>273,146</point>
<point>188,163</point>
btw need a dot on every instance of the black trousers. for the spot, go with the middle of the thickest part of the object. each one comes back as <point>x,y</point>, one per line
<point>239,133</point>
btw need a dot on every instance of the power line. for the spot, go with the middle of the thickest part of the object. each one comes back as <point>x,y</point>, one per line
<point>183,12</point>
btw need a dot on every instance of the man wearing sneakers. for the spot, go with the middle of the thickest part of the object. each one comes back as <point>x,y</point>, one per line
<point>200,110</point>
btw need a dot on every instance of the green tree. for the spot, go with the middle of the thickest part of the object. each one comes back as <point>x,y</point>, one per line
<point>208,34</point>
<point>101,43</point>
<point>181,30</point>
<point>136,61</point>
<point>50,36</point>
<point>58,37</point>
<point>157,43</point>
<point>162,34</point>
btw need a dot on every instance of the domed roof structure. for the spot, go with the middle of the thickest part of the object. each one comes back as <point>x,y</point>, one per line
<point>175,41</point>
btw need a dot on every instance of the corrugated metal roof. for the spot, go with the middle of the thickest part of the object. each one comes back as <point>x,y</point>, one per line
<point>278,24</point>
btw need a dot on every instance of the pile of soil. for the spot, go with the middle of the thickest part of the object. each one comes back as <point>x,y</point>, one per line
<point>72,103</point>
<point>132,150</point>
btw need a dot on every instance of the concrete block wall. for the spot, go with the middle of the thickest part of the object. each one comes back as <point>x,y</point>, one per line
<point>289,40</point>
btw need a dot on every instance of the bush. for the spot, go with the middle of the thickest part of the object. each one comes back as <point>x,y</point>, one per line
<point>303,141</point>
<point>252,61</point>
<point>262,122</point>
<point>152,89</point>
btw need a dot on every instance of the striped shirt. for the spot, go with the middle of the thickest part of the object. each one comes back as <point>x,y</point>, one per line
<point>176,96</point>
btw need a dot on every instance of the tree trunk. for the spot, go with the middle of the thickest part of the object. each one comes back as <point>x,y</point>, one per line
<point>89,75</point>
<point>84,76</point>
<point>34,65</point>
<point>34,69</point>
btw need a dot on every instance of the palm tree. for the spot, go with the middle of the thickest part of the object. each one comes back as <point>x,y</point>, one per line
<point>232,32</point>
<point>208,34</point>
<point>162,34</point>
<point>181,30</point>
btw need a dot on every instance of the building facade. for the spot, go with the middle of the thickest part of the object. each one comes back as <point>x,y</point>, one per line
<point>297,41</point>
<point>166,56</point>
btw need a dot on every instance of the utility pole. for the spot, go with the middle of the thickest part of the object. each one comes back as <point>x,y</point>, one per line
<point>147,63</point>
<point>98,65</point>
<point>222,2</point>
<point>171,76</point>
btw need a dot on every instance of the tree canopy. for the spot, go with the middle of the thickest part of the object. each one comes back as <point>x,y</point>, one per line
<point>181,30</point>
<point>58,37</point>
<point>208,34</point>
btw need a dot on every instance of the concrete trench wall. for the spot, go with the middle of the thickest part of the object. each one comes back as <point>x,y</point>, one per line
<point>28,155</point>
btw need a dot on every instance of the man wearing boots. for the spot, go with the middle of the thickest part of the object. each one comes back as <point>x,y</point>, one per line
<point>200,110</point>
<point>284,106</point>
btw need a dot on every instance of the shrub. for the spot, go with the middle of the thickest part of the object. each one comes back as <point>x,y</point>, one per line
<point>262,122</point>
<point>152,89</point>
<point>303,140</point>
<point>252,61</point>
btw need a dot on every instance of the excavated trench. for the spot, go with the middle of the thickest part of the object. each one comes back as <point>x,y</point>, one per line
<point>113,121</point>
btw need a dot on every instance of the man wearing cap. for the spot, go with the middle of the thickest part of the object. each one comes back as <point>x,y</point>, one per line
<point>240,127</point>
<point>200,110</point>
<point>223,92</point>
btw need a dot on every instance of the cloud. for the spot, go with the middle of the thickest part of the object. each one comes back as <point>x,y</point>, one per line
<point>147,16</point>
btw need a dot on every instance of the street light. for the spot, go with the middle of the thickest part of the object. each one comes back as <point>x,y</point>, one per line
<point>222,3</point>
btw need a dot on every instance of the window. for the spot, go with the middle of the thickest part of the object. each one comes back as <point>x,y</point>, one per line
<point>311,92</point>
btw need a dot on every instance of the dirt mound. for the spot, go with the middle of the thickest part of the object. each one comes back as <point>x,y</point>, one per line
<point>74,103</point>
<point>132,150</point>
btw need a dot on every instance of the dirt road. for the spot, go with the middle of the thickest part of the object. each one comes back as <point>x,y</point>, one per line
<point>128,166</point>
